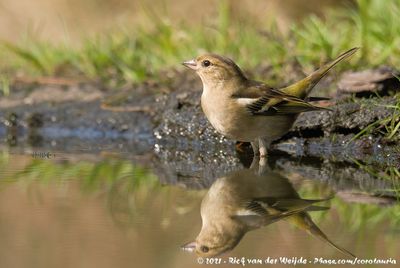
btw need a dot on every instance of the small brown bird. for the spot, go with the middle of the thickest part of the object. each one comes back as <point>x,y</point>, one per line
<point>248,110</point>
<point>248,199</point>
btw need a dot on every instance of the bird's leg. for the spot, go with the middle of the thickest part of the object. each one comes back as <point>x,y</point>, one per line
<point>259,165</point>
<point>263,166</point>
<point>255,163</point>
<point>256,147</point>
<point>258,158</point>
<point>264,145</point>
<point>262,163</point>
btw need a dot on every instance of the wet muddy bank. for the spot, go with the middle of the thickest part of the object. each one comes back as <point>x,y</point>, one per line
<point>164,120</point>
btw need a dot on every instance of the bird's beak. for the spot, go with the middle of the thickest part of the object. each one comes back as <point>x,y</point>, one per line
<point>190,247</point>
<point>190,64</point>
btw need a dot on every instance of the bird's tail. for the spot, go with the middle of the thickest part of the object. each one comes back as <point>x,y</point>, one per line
<point>313,229</point>
<point>301,88</point>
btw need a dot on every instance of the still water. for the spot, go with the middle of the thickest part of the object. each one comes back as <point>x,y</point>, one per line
<point>104,210</point>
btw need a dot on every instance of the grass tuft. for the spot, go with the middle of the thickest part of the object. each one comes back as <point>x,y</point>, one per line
<point>388,127</point>
<point>133,55</point>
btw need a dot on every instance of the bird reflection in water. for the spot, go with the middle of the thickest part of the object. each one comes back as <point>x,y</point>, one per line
<point>249,199</point>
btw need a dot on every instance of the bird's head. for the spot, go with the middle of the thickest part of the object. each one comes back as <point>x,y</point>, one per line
<point>213,69</point>
<point>207,250</point>
<point>211,243</point>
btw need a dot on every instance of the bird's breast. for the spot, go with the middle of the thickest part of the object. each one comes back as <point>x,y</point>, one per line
<point>222,114</point>
<point>231,118</point>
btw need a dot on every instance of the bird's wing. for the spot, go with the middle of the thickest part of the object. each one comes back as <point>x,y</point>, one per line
<point>269,209</point>
<point>263,100</point>
<point>316,99</point>
<point>286,204</point>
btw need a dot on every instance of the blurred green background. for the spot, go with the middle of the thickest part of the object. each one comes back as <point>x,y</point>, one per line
<point>59,20</point>
<point>122,42</point>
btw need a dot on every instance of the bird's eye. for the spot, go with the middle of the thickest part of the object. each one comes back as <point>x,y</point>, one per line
<point>206,63</point>
<point>204,249</point>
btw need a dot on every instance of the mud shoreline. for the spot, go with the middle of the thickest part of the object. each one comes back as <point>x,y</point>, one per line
<point>164,120</point>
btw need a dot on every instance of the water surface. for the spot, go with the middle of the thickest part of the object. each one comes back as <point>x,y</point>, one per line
<point>111,210</point>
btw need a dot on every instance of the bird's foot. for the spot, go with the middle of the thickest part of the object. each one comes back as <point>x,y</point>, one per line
<point>263,161</point>
<point>239,146</point>
<point>263,152</point>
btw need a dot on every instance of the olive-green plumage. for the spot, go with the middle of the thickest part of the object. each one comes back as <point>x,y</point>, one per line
<point>302,88</point>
